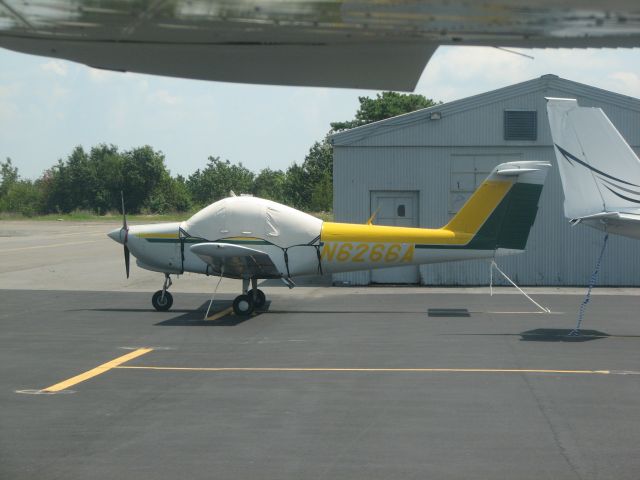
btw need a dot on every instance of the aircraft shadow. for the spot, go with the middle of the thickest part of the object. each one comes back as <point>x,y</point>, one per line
<point>561,335</point>
<point>195,318</point>
<point>551,335</point>
<point>124,310</point>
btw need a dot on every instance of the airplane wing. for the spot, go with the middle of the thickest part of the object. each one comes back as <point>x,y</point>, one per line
<point>236,261</point>
<point>333,43</point>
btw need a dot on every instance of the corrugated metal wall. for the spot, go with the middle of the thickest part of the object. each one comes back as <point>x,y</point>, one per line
<point>416,156</point>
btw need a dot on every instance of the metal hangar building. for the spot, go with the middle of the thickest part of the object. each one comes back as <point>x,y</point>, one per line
<point>419,168</point>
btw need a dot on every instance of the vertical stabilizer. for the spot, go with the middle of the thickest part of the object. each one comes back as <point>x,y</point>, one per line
<point>599,171</point>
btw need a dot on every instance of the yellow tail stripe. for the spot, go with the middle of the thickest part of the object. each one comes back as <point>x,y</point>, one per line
<point>478,208</point>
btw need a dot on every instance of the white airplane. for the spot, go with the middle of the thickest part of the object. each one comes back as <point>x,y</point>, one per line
<point>338,43</point>
<point>250,238</point>
<point>600,172</point>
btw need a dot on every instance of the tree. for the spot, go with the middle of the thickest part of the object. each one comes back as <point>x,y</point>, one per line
<point>309,186</point>
<point>9,175</point>
<point>143,171</point>
<point>269,184</point>
<point>24,197</point>
<point>109,167</point>
<point>322,194</point>
<point>170,195</point>
<point>217,180</point>
<point>385,105</point>
<point>16,195</point>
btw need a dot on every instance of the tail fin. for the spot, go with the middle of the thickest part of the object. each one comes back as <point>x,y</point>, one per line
<point>502,210</point>
<point>599,171</point>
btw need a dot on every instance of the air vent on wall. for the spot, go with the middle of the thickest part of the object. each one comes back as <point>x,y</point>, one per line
<point>520,125</point>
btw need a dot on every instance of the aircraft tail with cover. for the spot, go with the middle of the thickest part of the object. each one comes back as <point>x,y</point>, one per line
<point>600,172</point>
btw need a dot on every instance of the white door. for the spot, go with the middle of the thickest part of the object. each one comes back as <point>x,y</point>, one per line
<point>399,208</point>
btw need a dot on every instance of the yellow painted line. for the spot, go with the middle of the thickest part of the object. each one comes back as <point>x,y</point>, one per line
<point>220,314</point>
<point>372,370</point>
<point>54,245</point>
<point>105,367</point>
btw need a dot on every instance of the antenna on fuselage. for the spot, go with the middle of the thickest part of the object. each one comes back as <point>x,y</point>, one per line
<point>373,216</point>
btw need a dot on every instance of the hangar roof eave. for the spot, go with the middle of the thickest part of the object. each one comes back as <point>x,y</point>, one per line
<point>545,82</point>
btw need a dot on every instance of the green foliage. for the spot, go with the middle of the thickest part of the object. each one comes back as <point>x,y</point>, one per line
<point>9,175</point>
<point>23,197</point>
<point>144,176</point>
<point>310,186</point>
<point>269,184</point>
<point>217,180</point>
<point>19,196</point>
<point>93,182</point>
<point>385,105</point>
<point>322,194</point>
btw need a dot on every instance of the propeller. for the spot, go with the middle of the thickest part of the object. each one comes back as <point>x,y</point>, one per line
<point>125,229</point>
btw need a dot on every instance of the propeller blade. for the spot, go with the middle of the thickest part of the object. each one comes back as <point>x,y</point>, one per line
<point>124,215</point>
<point>126,259</point>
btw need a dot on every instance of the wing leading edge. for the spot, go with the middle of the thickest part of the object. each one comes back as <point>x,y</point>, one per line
<point>330,43</point>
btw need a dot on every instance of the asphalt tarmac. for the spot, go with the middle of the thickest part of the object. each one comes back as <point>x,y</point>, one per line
<point>326,383</point>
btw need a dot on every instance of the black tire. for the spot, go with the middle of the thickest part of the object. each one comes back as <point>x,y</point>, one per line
<point>160,304</point>
<point>243,305</point>
<point>259,300</point>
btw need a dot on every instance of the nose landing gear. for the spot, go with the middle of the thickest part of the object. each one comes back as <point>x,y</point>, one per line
<point>162,300</point>
<point>245,304</point>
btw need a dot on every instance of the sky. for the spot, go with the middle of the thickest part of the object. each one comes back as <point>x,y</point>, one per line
<point>48,107</point>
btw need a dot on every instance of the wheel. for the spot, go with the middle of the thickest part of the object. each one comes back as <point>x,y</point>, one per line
<point>243,305</point>
<point>259,300</point>
<point>162,304</point>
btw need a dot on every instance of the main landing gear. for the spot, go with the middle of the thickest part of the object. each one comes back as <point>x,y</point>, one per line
<point>162,299</point>
<point>245,304</point>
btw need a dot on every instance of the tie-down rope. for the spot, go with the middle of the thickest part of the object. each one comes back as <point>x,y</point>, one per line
<point>594,278</point>
<point>495,265</point>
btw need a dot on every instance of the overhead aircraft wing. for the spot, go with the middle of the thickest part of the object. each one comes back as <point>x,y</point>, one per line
<point>236,261</point>
<point>335,43</point>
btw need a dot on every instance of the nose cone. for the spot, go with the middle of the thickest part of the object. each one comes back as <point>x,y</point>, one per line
<point>115,235</point>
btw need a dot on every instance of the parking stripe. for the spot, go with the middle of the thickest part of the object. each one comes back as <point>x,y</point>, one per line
<point>105,367</point>
<point>371,370</point>
<point>220,314</point>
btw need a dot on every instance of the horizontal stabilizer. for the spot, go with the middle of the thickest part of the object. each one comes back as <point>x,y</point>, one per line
<point>620,223</point>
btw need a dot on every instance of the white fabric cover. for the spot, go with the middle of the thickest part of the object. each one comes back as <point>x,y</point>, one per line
<point>253,217</point>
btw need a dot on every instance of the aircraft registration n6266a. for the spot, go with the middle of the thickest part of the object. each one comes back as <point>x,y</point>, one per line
<point>251,238</point>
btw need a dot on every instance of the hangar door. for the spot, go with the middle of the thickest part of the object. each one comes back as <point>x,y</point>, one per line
<point>399,208</point>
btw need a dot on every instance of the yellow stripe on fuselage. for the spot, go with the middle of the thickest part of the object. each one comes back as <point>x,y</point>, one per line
<point>156,235</point>
<point>350,232</point>
<point>459,231</point>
